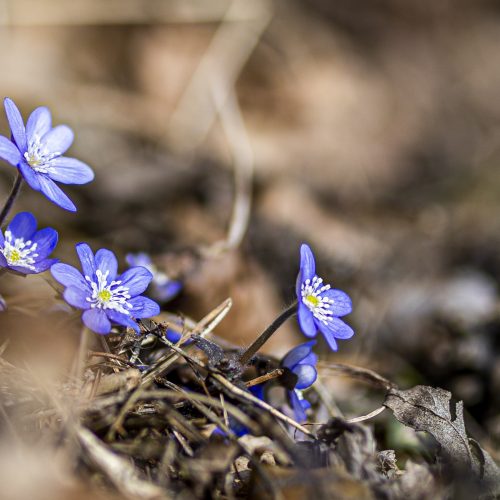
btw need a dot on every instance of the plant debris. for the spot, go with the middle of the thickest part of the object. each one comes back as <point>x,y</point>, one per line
<point>172,429</point>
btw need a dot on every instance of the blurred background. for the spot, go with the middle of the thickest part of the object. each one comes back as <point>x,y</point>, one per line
<point>225,133</point>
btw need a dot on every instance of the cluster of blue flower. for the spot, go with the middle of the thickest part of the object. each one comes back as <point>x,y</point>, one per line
<point>36,150</point>
<point>107,297</point>
<point>319,308</point>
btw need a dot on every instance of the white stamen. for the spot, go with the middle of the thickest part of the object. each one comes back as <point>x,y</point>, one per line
<point>38,156</point>
<point>311,292</point>
<point>18,252</point>
<point>159,277</point>
<point>108,295</point>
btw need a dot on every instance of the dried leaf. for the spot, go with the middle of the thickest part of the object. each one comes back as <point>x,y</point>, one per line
<point>428,409</point>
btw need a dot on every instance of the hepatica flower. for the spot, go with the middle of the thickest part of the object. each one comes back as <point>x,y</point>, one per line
<point>24,249</point>
<point>319,305</point>
<point>301,361</point>
<point>162,287</point>
<point>37,149</point>
<point>105,297</point>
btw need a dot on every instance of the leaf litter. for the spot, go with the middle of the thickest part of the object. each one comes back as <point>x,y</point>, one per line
<point>171,428</point>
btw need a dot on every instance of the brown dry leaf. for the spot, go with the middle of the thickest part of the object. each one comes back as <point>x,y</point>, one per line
<point>295,484</point>
<point>429,409</point>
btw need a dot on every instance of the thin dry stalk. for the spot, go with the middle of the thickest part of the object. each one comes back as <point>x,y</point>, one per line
<point>122,474</point>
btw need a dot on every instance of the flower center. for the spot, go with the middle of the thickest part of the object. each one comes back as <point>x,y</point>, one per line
<point>38,156</point>
<point>312,300</point>
<point>104,295</point>
<point>110,295</point>
<point>18,252</point>
<point>312,296</point>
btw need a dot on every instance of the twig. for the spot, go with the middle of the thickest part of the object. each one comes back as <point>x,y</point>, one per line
<point>12,197</point>
<point>122,474</point>
<point>265,378</point>
<point>326,398</point>
<point>185,445</point>
<point>239,392</point>
<point>224,411</point>
<point>79,365</point>
<point>209,414</point>
<point>191,396</point>
<point>114,357</point>
<point>256,401</point>
<point>204,327</point>
<point>372,414</point>
<point>116,426</point>
<point>243,160</point>
<point>364,374</point>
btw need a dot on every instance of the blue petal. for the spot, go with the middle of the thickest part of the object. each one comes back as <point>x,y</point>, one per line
<point>3,261</point>
<point>173,335</point>
<point>123,319</point>
<point>70,171</point>
<point>138,259</point>
<point>46,240</point>
<point>9,151</point>
<point>143,307</point>
<point>306,374</point>
<point>312,359</point>
<point>23,225</point>
<point>38,267</point>
<point>44,264</point>
<point>16,124</point>
<point>300,414</point>
<point>30,176</point>
<point>97,321</point>
<point>54,194</point>
<point>338,328</point>
<point>305,404</point>
<point>105,260</point>
<point>217,431</point>
<point>297,354</point>
<point>38,123</point>
<point>58,140</point>
<point>237,427</point>
<point>22,269</point>
<point>342,303</point>
<point>257,391</point>
<point>167,291</point>
<point>136,279</point>
<point>335,328</point>
<point>306,321</point>
<point>86,258</point>
<point>77,297</point>
<point>68,276</point>
<point>2,239</point>
<point>307,263</point>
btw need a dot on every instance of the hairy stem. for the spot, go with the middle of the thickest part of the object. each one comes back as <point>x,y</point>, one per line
<point>267,333</point>
<point>12,198</point>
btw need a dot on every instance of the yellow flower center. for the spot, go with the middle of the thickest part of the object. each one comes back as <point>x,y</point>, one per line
<point>14,256</point>
<point>33,161</point>
<point>313,301</point>
<point>104,295</point>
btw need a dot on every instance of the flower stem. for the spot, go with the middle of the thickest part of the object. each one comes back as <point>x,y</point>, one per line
<point>267,333</point>
<point>12,198</point>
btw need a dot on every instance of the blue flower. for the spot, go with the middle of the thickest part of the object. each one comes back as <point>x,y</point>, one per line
<point>37,149</point>
<point>104,296</point>
<point>162,287</point>
<point>24,249</point>
<point>301,362</point>
<point>235,425</point>
<point>320,306</point>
